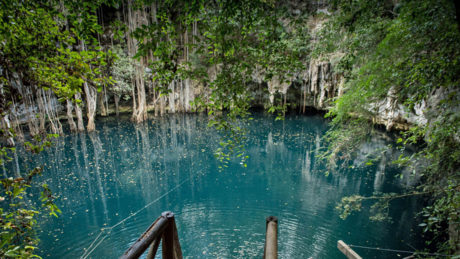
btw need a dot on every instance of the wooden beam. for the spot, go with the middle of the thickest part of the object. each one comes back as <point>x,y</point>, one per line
<point>143,243</point>
<point>346,250</point>
<point>154,248</point>
<point>271,238</point>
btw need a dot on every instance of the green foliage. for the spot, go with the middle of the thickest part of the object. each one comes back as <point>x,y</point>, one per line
<point>29,44</point>
<point>18,220</point>
<point>119,30</point>
<point>36,49</point>
<point>406,53</point>
<point>122,70</point>
<point>237,39</point>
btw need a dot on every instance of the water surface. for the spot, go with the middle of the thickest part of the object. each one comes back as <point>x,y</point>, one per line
<point>138,171</point>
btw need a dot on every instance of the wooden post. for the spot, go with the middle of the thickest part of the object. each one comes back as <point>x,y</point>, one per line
<point>346,250</point>
<point>168,240</point>
<point>271,238</point>
<point>170,245</point>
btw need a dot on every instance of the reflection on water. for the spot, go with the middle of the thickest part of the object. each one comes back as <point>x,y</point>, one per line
<point>106,176</point>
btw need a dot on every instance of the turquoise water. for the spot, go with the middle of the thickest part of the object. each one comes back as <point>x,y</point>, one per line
<point>168,164</point>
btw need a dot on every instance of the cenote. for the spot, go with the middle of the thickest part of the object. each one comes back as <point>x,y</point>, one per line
<point>131,173</point>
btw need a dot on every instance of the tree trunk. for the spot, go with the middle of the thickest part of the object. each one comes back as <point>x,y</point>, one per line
<point>91,96</point>
<point>136,19</point>
<point>81,127</point>
<point>72,125</point>
<point>133,83</point>
<point>55,112</point>
<point>189,95</point>
<point>172,105</point>
<point>34,119</point>
<point>156,103</point>
<point>106,100</point>
<point>48,111</point>
<point>100,99</point>
<point>304,99</point>
<point>91,100</point>
<point>300,102</point>
<point>284,110</point>
<point>341,85</point>
<point>29,106</point>
<point>9,135</point>
<point>140,112</point>
<point>117,99</point>
<point>41,114</point>
<point>180,105</point>
<point>163,105</point>
<point>18,131</point>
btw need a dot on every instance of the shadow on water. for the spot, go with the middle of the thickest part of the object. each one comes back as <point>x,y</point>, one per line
<point>106,176</point>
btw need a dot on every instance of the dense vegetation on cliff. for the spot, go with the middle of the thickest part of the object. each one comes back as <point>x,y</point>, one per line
<point>360,60</point>
<point>406,56</point>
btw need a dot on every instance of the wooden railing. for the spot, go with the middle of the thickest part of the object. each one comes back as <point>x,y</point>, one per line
<point>162,230</point>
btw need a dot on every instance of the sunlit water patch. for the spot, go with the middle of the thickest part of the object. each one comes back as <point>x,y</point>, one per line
<point>168,163</point>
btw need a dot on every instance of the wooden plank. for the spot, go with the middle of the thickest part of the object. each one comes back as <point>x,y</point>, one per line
<point>346,250</point>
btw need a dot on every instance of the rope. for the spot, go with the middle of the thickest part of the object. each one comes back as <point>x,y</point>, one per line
<point>92,243</point>
<point>398,251</point>
<point>88,251</point>
<point>96,245</point>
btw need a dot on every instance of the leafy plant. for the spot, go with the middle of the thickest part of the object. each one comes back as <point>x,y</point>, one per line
<point>18,219</point>
<point>405,55</point>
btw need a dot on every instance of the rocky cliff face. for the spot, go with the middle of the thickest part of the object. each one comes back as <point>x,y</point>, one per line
<point>314,87</point>
<point>317,85</point>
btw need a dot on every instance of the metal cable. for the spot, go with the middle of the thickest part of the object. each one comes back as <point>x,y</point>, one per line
<point>88,251</point>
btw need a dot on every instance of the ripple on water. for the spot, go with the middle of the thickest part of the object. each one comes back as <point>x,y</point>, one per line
<point>219,213</point>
